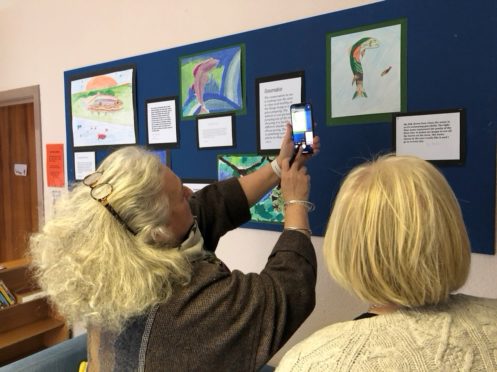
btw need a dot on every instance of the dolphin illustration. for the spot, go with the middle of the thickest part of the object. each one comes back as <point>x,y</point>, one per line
<point>201,77</point>
<point>356,54</point>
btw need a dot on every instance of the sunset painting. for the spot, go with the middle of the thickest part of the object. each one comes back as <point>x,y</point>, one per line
<point>102,109</point>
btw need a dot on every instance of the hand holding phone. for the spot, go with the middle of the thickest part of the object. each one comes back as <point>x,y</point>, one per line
<point>302,127</point>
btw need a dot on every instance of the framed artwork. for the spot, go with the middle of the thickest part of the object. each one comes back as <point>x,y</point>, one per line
<point>274,95</point>
<point>162,121</point>
<point>437,136</point>
<point>103,111</point>
<point>270,208</point>
<point>215,131</point>
<point>213,82</point>
<point>196,184</point>
<point>366,73</point>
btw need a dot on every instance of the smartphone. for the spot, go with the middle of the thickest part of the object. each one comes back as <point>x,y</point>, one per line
<point>302,126</point>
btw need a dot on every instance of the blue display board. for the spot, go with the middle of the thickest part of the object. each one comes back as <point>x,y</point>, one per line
<point>451,56</point>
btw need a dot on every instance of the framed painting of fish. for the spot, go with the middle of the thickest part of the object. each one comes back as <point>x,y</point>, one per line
<point>269,208</point>
<point>366,73</point>
<point>213,82</point>
<point>103,108</point>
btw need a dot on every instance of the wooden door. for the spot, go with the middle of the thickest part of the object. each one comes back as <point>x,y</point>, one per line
<point>18,179</point>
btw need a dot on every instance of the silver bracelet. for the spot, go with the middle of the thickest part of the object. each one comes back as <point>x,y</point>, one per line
<point>276,168</point>
<point>303,230</point>
<point>309,205</point>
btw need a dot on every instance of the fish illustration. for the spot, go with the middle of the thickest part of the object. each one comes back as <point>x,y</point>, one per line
<point>386,71</point>
<point>201,77</point>
<point>356,55</point>
<point>104,102</point>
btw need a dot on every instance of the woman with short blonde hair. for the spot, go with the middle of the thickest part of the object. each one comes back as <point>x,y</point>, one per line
<point>396,238</point>
<point>397,235</point>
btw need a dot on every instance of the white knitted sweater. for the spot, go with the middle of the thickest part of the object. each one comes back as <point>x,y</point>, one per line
<point>458,336</point>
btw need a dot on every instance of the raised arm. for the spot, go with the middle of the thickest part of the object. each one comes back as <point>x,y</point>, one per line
<point>258,183</point>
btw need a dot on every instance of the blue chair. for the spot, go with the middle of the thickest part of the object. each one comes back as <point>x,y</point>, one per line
<point>266,368</point>
<point>63,357</point>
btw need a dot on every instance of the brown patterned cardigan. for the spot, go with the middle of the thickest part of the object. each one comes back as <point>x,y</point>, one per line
<point>221,321</point>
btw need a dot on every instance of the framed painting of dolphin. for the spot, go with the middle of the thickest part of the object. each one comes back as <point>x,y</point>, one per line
<point>213,82</point>
<point>366,73</point>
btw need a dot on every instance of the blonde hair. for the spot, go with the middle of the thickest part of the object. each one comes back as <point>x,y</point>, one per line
<point>92,268</point>
<point>396,234</point>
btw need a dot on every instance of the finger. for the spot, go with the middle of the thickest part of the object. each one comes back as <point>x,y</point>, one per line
<point>285,164</point>
<point>316,145</point>
<point>288,132</point>
<point>303,169</point>
<point>295,153</point>
<point>299,157</point>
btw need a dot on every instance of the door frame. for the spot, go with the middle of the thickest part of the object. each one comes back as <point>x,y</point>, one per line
<point>31,94</point>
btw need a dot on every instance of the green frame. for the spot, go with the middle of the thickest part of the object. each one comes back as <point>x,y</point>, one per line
<point>184,85</point>
<point>359,118</point>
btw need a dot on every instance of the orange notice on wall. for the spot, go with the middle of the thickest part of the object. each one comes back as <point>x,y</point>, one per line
<point>55,165</point>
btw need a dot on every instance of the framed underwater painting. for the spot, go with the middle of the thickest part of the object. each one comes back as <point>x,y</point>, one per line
<point>366,73</point>
<point>103,111</point>
<point>213,82</point>
<point>269,208</point>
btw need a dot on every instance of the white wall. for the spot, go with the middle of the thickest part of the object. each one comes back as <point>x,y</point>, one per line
<point>333,304</point>
<point>39,40</point>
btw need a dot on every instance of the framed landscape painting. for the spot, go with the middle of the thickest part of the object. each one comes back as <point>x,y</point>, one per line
<point>103,108</point>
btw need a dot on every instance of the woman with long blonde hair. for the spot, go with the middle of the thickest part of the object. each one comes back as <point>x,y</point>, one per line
<point>130,253</point>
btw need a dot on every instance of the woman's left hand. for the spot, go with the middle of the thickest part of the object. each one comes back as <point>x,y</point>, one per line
<point>288,147</point>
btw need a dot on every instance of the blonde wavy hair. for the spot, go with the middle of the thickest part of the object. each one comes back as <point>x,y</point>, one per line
<point>396,234</point>
<point>92,268</point>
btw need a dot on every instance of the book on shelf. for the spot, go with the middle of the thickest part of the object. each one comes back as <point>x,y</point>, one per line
<point>6,294</point>
<point>29,294</point>
<point>3,302</point>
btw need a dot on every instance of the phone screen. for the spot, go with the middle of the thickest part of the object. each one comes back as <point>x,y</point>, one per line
<point>302,126</point>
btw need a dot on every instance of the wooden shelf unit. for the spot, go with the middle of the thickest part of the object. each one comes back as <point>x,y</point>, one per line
<point>28,327</point>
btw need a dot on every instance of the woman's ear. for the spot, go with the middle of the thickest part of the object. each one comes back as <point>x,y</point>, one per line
<point>161,235</point>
